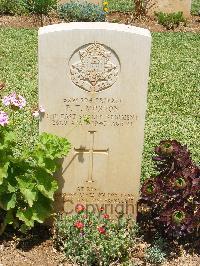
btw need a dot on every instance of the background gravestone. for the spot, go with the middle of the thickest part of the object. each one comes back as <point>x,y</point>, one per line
<point>171,6</point>
<point>100,71</point>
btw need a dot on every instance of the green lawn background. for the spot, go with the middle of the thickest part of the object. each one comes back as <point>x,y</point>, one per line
<point>173,97</point>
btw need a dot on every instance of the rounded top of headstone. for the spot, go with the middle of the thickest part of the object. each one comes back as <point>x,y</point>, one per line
<point>94,26</point>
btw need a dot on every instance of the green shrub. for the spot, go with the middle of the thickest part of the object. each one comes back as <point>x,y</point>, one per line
<point>11,7</point>
<point>88,239</point>
<point>81,11</point>
<point>155,255</point>
<point>170,20</point>
<point>40,8</point>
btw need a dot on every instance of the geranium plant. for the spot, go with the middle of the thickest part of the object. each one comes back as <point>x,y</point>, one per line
<point>90,239</point>
<point>171,200</point>
<point>27,184</point>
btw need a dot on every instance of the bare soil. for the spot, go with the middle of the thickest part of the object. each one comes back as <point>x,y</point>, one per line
<point>38,249</point>
<point>193,23</point>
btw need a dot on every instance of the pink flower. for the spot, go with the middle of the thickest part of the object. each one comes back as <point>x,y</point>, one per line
<point>14,100</point>
<point>102,230</point>
<point>41,109</point>
<point>3,118</point>
<point>79,225</point>
<point>6,100</point>
<point>36,114</point>
<point>79,208</point>
<point>39,112</point>
<point>21,101</point>
<point>106,216</point>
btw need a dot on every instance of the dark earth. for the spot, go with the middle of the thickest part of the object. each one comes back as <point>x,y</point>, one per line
<point>193,23</point>
<point>38,248</point>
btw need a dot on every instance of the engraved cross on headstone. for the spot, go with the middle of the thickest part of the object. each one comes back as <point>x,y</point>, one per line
<point>91,151</point>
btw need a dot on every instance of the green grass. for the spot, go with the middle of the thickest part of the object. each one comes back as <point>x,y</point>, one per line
<point>121,5</point>
<point>195,6</point>
<point>174,94</point>
<point>173,98</point>
<point>128,5</point>
<point>18,68</point>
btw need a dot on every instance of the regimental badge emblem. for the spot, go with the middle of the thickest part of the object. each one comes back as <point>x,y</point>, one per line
<point>97,69</point>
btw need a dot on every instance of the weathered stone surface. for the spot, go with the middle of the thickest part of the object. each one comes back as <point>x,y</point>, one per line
<point>97,71</point>
<point>171,6</point>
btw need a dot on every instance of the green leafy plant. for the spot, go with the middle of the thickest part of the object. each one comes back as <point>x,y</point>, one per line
<point>40,8</point>
<point>170,20</point>
<point>90,239</point>
<point>27,184</point>
<point>155,255</point>
<point>81,11</point>
<point>170,201</point>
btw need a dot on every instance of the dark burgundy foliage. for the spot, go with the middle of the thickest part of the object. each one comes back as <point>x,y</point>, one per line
<point>172,198</point>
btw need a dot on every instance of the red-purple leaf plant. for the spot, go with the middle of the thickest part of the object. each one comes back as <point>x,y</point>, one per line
<point>170,201</point>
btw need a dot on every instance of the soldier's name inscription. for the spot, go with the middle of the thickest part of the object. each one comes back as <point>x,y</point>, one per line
<point>99,111</point>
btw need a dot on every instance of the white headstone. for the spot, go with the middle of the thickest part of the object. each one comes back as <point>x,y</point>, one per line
<point>100,71</point>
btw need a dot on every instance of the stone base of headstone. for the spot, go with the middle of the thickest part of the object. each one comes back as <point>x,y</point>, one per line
<point>170,6</point>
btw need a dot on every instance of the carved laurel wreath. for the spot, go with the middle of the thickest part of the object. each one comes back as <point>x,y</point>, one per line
<point>95,71</point>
